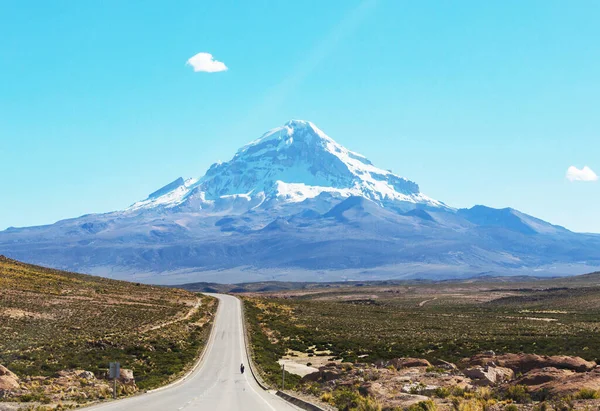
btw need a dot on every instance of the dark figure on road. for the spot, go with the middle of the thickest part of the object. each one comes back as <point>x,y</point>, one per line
<point>242,368</point>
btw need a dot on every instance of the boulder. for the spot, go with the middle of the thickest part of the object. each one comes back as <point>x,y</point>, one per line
<point>489,375</point>
<point>399,363</point>
<point>570,383</point>
<point>576,364</point>
<point>8,381</point>
<point>504,374</point>
<point>445,365</point>
<point>543,375</point>
<point>527,362</point>
<point>126,376</point>
<point>323,375</point>
<point>88,375</point>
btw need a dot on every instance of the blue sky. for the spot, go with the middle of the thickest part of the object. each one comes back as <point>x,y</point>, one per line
<point>479,102</point>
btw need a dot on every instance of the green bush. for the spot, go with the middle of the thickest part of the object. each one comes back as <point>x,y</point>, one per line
<point>518,393</point>
<point>428,405</point>
<point>346,399</point>
<point>442,392</point>
<point>587,394</point>
<point>368,404</point>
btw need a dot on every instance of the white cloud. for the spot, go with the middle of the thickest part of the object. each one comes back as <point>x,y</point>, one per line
<point>205,62</point>
<point>585,174</point>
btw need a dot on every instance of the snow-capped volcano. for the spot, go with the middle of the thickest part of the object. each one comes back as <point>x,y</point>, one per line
<point>291,164</point>
<point>294,205</point>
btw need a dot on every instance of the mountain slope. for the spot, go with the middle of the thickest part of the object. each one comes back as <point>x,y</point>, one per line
<point>296,205</point>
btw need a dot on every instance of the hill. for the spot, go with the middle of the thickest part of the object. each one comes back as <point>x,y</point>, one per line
<point>583,280</point>
<point>53,322</point>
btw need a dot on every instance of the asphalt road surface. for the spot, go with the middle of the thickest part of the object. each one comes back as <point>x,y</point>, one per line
<point>217,383</point>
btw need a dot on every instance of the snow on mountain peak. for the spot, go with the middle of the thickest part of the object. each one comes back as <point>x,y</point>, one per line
<point>291,164</point>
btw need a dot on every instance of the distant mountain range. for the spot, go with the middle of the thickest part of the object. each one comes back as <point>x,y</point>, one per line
<point>296,205</point>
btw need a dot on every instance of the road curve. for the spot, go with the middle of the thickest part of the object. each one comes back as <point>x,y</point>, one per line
<point>216,384</point>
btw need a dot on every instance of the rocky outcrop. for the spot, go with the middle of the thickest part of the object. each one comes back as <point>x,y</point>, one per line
<point>325,374</point>
<point>444,365</point>
<point>577,364</point>
<point>399,363</point>
<point>405,362</point>
<point>489,375</point>
<point>402,382</point>
<point>543,375</point>
<point>560,383</point>
<point>526,362</point>
<point>8,381</point>
<point>88,375</point>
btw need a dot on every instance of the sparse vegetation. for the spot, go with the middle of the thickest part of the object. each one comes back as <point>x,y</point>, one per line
<point>363,325</point>
<point>52,320</point>
<point>588,394</point>
<point>459,323</point>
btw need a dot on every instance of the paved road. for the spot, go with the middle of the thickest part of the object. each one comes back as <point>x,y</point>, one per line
<point>217,383</point>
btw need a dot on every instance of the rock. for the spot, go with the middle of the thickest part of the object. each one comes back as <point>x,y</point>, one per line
<point>504,374</point>
<point>570,383</point>
<point>8,381</point>
<point>88,375</point>
<point>577,364</point>
<point>445,365</point>
<point>323,375</point>
<point>488,375</point>
<point>406,400</point>
<point>527,362</point>
<point>399,363</point>
<point>126,376</point>
<point>543,375</point>
<point>419,388</point>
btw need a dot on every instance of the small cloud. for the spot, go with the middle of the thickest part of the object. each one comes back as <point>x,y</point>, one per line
<point>205,62</point>
<point>585,174</point>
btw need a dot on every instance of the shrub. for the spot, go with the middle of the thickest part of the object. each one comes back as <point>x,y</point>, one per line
<point>473,404</point>
<point>312,389</point>
<point>423,406</point>
<point>466,405</point>
<point>368,404</point>
<point>541,395</point>
<point>511,407</point>
<point>587,394</point>
<point>518,393</point>
<point>563,404</point>
<point>345,399</point>
<point>483,393</point>
<point>327,397</point>
<point>442,392</point>
<point>459,391</point>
